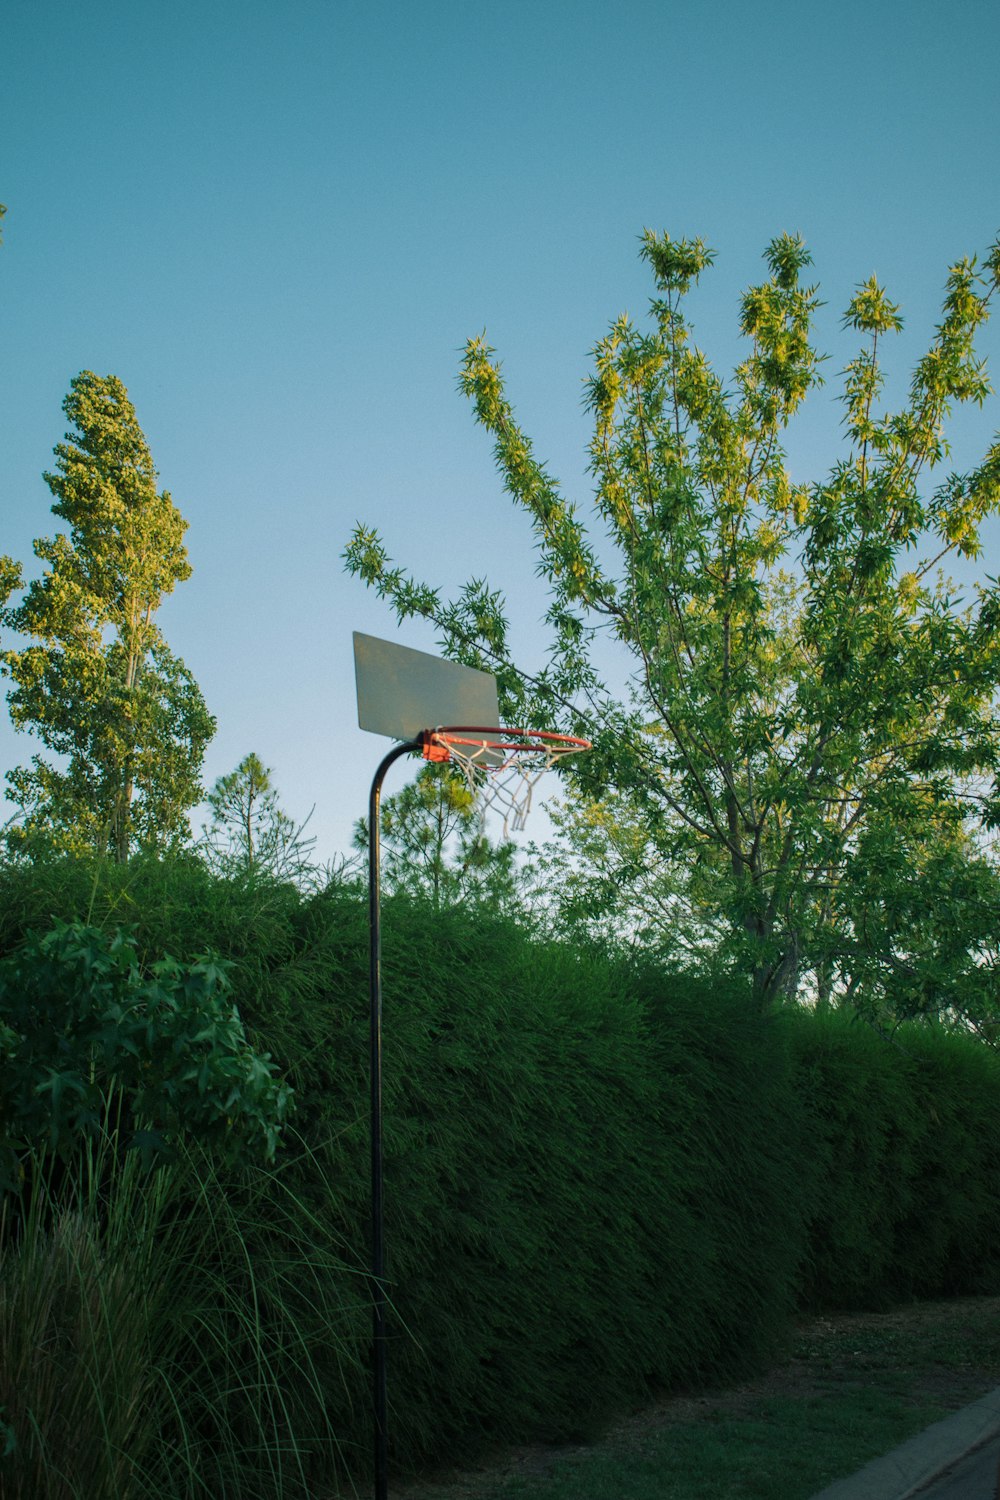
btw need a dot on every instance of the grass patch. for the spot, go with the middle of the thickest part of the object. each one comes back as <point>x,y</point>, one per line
<point>170,1334</point>
<point>781,1449</point>
<point>851,1388</point>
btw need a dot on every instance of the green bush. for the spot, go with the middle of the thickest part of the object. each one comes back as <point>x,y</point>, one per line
<point>904,1141</point>
<point>576,1209</point>
<point>80,1025</point>
<point>601,1180</point>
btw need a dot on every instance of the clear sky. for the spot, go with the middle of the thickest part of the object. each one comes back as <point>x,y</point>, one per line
<point>279,222</point>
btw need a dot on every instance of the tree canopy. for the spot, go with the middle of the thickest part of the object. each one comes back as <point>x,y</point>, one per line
<point>806,689</point>
<point>97,683</point>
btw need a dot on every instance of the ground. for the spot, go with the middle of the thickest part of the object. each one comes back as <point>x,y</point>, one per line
<point>937,1354</point>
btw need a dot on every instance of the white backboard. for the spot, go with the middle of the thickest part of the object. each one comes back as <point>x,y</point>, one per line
<point>402,691</point>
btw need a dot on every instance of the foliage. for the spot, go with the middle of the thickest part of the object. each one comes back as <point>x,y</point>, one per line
<point>903,1139</point>
<point>552,1151</point>
<point>170,1334</point>
<point>602,1178</point>
<point>80,1389</point>
<point>99,685</point>
<point>83,1033</point>
<point>249,833</point>
<point>434,844</point>
<point>525,1109</point>
<point>599,880</point>
<point>922,916</point>
<point>798,677</point>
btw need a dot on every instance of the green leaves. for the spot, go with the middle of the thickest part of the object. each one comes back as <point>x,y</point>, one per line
<point>10,578</point>
<point>101,688</point>
<point>794,669</point>
<point>677,264</point>
<point>80,1022</point>
<point>778,317</point>
<point>871,311</point>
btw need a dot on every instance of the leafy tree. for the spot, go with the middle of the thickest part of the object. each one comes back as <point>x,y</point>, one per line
<point>600,878</point>
<point>249,833</point>
<point>921,935</point>
<point>99,685</point>
<point>915,932</point>
<point>434,843</point>
<point>801,672</point>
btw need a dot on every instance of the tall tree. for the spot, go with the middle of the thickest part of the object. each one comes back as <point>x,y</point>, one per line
<point>98,684</point>
<point>249,833</point>
<point>800,673</point>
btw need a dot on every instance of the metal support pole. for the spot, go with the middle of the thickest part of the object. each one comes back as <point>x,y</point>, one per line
<point>375,1071</point>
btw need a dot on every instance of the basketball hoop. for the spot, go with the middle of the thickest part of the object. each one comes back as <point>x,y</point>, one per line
<point>399,692</point>
<point>500,766</point>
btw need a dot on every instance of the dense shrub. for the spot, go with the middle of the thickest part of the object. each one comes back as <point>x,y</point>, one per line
<point>577,1212</point>
<point>600,1179</point>
<point>903,1141</point>
<point>84,1032</point>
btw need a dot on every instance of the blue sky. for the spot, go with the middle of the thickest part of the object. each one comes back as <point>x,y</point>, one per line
<point>278,224</point>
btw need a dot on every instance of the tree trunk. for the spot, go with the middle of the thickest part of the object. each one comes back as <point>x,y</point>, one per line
<point>121,821</point>
<point>774,976</point>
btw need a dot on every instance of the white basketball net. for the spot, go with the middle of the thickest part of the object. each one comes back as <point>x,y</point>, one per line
<point>501,774</point>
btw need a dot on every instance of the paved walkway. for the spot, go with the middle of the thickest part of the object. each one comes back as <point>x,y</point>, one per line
<point>974,1478</point>
<point>954,1460</point>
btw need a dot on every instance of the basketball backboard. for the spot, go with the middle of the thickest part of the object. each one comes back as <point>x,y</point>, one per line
<point>402,691</point>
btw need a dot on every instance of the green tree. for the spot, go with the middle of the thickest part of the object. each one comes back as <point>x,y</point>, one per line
<point>602,879</point>
<point>921,935</point>
<point>249,833</point>
<point>98,684</point>
<point>434,844</point>
<point>800,671</point>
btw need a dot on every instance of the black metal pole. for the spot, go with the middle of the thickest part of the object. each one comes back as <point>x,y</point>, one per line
<point>375,1071</point>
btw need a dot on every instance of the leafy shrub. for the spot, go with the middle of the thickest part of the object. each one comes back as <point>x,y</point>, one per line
<point>901,1161</point>
<point>80,1024</point>
<point>590,1176</point>
<point>601,1179</point>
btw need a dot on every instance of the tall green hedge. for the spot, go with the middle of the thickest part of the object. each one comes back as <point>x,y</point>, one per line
<point>903,1142</point>
<point>600,1180</point>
